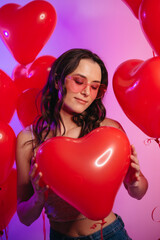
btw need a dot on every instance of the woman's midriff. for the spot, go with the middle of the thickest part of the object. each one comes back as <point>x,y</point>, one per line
<point>82,227</point>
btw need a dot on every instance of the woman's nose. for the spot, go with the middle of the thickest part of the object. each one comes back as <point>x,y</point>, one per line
<point>86,90</point>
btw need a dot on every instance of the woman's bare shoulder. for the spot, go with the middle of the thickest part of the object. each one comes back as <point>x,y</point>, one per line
<point>24,146</point>
<point>25,135</point>
<point>111,123</point>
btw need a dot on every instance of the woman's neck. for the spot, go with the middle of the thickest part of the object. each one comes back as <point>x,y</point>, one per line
<point>71,128</point>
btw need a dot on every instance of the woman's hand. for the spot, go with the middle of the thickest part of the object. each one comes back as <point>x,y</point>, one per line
<point>133,175</point>
<point>30,194</point>
<point>134,181</point>
<point>36,180</point>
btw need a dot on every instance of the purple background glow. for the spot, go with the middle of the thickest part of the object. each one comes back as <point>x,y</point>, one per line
<point>108,28</point>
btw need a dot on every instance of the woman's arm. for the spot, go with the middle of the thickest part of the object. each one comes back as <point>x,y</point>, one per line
<point>30,197</point>
<point>134,181</point>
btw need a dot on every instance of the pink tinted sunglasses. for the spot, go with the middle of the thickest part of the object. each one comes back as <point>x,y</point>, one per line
<point>78,83</point>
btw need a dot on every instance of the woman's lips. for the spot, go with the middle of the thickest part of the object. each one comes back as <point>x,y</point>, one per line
<point>81,100</point>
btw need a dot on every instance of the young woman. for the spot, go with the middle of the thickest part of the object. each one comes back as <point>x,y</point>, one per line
<point>71,106</point>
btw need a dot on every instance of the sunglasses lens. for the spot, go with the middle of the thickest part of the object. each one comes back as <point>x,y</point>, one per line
<point>74,85</point>
<point>101,91</point>
<point>77,84</point>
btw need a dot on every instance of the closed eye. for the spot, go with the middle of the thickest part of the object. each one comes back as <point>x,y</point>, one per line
<point>95,86</point>
<point>78,80</point>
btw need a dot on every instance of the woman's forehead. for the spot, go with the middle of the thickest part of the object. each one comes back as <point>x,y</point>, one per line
<point>88,69</point>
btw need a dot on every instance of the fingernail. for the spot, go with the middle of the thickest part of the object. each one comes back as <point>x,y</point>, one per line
<point>36,165</point>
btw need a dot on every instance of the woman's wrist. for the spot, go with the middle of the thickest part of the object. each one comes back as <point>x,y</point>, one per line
<point>39,198</point>
<point>138,188</point>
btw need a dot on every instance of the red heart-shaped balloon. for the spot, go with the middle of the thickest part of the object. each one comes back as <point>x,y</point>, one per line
<point>8,97</point>
<point>136,85</point>
<point>149,18</point>
<point>134,6</point>
<point>86,172</point>
<point>25,30</point>
<point>8,199</point>
<point>7,150</point>
<point>34,75</point>
<point>28,106</point>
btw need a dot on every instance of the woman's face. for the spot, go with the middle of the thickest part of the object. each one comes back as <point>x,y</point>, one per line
<point>82,86</point>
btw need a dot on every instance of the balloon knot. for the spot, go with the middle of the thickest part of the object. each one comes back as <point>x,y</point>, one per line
<point>100,223</point>
<point>1,233</point>
<point>154,55</point>
<point>157,141</point>
<point>149,140</point>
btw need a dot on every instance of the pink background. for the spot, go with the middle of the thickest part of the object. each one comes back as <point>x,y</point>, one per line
<point>108,28</point>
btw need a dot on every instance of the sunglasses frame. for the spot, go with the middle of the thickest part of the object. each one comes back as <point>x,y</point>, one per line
<point>70,77</point>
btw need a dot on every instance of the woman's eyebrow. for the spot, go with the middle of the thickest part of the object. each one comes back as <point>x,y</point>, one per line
<point>81,75</point>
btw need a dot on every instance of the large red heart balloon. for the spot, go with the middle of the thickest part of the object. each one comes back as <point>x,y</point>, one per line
<point>136,85</point>
<point>134,6</point>
<point>34,75</point>
<point>7,150</point>
<point>8,97</point>
<point>25,30</point>
<point>28,106</point>
<point>8,199</point>
<point>86,172</point>
<point>149,18</point>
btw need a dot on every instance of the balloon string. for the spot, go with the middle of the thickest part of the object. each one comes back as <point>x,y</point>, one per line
<point>6,228</point>
<point>153,213</point>
<point>101,223</point>
<point>6,233</point>
<point>44,225</point>
<point>149,140</point>
<point>153,53</point>
<point>2,232</point>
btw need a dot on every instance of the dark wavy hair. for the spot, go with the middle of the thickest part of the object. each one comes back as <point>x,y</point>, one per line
<point>54,92</point>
